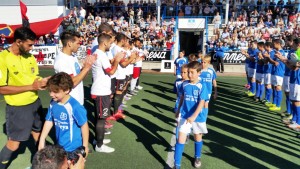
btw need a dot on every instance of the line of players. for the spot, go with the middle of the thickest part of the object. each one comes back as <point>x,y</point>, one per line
<point>118,66</point>
<point>193,87</point>
<point>270,69</point>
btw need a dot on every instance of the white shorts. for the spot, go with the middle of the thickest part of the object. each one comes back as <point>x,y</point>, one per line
<point>267,78</point>
<point>260,77</point>
<point>251,72</point>
<point>198,127</point>
<point>246,67</point>
<point>276,80</point>
<point>178,76</point>
<point>294,92</point>
<point>286,83</point>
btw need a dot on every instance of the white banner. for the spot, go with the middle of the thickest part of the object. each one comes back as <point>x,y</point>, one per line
<point>191,23</point>
<point>45,55</point>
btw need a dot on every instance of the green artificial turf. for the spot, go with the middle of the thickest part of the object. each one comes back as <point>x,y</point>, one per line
<point>242,133</point>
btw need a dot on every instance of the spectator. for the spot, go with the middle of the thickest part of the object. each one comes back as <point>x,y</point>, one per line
<point>82,14</point>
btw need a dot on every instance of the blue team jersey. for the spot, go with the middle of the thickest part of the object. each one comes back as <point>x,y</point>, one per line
<point>253,53</point>
<point>287,71</point>
<point>207,76</point>
<point>178,91</point>
<point>68,119</point>
<point>193,94</point>
<point>295,77</point>
<point>178,63</point>
<point>268,66</point>
<point>280,68</point>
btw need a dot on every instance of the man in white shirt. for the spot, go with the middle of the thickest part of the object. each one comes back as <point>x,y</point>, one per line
<point>101,89</point>
<point>82,14</point>
<point>67,62</point>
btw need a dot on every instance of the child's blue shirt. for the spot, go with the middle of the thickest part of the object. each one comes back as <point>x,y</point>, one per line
<point>68,119</point>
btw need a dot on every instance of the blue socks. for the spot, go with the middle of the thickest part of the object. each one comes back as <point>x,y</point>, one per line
<point>279,98</point>
<point>257,94</point>
<point>294,112</point>
<point>262,89</point>
<point>297,113</point>
<point>288,104</point>
<point>274,96</point>
<point>253,87</point>
<point>198,148</point>
<point>269,92</point>
<point>178,153</point>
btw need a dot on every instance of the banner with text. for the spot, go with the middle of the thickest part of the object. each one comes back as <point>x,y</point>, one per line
<point>45,54</point>
<point>158,55</point>
<point>234,57</point>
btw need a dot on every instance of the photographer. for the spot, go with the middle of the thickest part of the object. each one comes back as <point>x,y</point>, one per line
<point>55,157</point>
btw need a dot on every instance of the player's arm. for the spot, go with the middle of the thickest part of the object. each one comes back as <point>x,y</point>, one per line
<point>114,67</point>
<point>88,62</point>
<point>128,60</point>
<point>179,106</point>
<point>36,85</point>
<point>246,54</point>
<point>46,129</point>
<point>85,137</point>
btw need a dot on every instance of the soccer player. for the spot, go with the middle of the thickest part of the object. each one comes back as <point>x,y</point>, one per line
<point>19,83</point>
<point>294,93</point>
<point>137,65</point>
<point>252,55</point>
<point>277,74</point>
<point>101,89</point>
<point>208,77</point>
<point>122,40</point>
<point>259,72</point>
<point>181,60</point>
<point>65,61</point>
<point>67,115</point>
<point>194,94</point>
<point>269,52</point>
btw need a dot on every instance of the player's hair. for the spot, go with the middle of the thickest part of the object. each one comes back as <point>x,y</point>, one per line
<point>207,58</point>
<point>269,44</point>
<point>277,41</point>
<point>296,41</point>
<point>60,81</point>
<point>192,57</point>
<point>24,33</point>
<point>105,28</point>
<point>194,65</point>
<point>103,37</point>
<point>184,66</point>
<point>290,37</point>
<point>120,37</point>
<point>67,36</point>
<point>261,44</point>
<point>183,51</point>
<point>254,41</point>
<point>50,157</point>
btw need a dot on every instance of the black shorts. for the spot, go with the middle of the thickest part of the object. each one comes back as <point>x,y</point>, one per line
<point>120,84</point>
<point>113,85</point>
<point>103,104</point>
<point>128,78</point>
<point>21,120</point>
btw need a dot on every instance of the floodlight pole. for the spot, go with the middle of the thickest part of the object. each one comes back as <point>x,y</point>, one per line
<point>226,12</point>
<point>158,11</point>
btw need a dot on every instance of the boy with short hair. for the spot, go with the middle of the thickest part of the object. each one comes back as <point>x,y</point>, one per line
<point>66,114</point>
<point>269,52</point>
<point>194,94</point>
<point>277,74</point>
<point>181,60</point>
<point>260,72</point>
<point>208,77</point>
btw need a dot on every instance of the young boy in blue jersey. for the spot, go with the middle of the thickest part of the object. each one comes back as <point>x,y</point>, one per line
<point>178,84</point>
<point>192,116</point>
<point>277,74</point>
<point>208,78</point>
<point>259,72</point>
<point>67,115</point>
<point>252,55</point>
<point>181,60</point>
<point>269,52</point>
